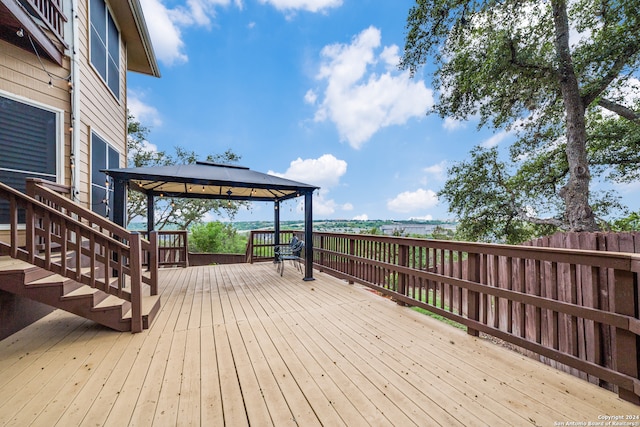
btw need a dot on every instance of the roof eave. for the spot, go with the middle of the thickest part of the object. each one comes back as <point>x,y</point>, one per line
<point>141,57</point>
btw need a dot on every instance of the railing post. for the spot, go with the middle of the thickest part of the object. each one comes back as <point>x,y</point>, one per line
<point>153,261</point>
<point>30,233</point>
<point>403,261</point>
<point>352,252</point>
<point>13,219</point>
<point>321,258</point>
<point>135,270</point>
<point>249,252</point>
<point>185,235</point>
<point>473,297</point>
<point>626,359</point>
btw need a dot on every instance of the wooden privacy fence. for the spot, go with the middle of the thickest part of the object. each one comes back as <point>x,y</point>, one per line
<point>588,341</point>
<point>549,301</point>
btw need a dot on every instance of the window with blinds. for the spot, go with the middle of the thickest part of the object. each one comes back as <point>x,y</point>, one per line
<point>28,146</point>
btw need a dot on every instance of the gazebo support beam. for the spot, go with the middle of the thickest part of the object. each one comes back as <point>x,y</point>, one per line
<point>276,223</point>
<point>151,213</point>
<point>308,236</point>
<point>120,202</point>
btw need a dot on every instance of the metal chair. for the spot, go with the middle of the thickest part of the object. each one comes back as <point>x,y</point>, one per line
<point>289,252</point>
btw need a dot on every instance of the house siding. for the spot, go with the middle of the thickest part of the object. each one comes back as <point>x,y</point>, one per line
<point>22,77</point>
<point>101,111</point>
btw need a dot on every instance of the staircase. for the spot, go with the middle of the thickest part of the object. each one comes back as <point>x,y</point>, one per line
<point>29,281</point>
<point>78,261</point>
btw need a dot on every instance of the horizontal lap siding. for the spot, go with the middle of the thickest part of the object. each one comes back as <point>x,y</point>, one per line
<point>21,76</point>
<point>101,112</point>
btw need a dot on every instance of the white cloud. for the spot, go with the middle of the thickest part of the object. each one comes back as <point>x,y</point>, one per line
<point>310,97</point>
<point>144,113</point>
<point>165,34</point>
<point>165,24</point>
<point>360,101</point>
<point>411,201</point>
<point>437,171</point>
<point>324,172</point>
<point>308,5</point>
<point>363,217</point>
<point>452,124</point>
<point>495,139</point>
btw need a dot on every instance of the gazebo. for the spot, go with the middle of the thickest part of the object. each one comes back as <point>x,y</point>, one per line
<point>206,180</point>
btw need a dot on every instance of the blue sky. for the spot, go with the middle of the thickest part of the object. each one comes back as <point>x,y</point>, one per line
<point>308,90</point>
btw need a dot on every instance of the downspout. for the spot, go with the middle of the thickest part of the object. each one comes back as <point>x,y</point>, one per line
<point>75,104</point>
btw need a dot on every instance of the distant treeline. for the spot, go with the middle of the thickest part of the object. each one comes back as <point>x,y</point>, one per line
<point>339,225</point>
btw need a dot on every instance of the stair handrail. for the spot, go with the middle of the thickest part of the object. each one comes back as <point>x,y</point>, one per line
<point>120,253</point>
<point>38,189</point>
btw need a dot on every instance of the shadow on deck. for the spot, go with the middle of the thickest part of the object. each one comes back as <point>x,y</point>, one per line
<point>238,344</point>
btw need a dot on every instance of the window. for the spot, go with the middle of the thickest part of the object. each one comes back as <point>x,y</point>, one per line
<point>28,143</point>
<point>103,156</point>
<point>105,45</point>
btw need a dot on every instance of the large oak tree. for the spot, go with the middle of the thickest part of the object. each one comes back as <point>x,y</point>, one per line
<point>545,70</point>
<point>171,212</point>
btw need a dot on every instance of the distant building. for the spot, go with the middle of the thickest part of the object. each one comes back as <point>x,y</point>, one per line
<point>403,229</point>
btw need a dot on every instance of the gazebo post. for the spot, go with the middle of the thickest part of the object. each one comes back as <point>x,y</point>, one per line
<point>120,202</point>
<point>276,223</point>
<point>308,236</point>
<point>151,214</point>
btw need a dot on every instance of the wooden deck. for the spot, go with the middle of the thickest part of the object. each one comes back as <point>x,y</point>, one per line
<point>238,344</point>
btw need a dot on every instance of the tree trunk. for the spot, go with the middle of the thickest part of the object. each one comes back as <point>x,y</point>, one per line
<point>578,213</point>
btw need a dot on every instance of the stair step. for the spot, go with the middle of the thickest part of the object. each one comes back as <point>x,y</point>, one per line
<point>84,291</point>
<point>109,303</point>
<point>12,265</point>
<point>54,289</point>
<point>53,279</point>
<point>150,307</point>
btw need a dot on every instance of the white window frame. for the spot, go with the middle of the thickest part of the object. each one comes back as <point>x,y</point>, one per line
<point>91,167</point>
<point>106,45</point>
<point>59,132</point>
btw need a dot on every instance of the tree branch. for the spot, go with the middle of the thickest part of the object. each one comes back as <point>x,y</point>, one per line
<point>589,96</point>
<point>522,214</point>
<point>620,110</point>
<point>524,65</point>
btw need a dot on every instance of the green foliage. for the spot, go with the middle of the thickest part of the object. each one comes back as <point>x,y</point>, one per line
<point>441,233</point>
<point>216,237</point>
<point>511,65</point>
<point>614,146</point>
<point>629,223</point>
<point>171,213</point>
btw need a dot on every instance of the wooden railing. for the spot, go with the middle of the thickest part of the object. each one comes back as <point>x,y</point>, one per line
<point>50,12</point>
<point>261,243</point>
<point>172,248</point>
<point>92,250</point>
<point>546,301</point>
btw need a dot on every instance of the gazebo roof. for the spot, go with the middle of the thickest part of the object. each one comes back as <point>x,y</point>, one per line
<point>207,180</point>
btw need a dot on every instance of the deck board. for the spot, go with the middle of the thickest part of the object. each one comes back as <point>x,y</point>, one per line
<point>240,345</point>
